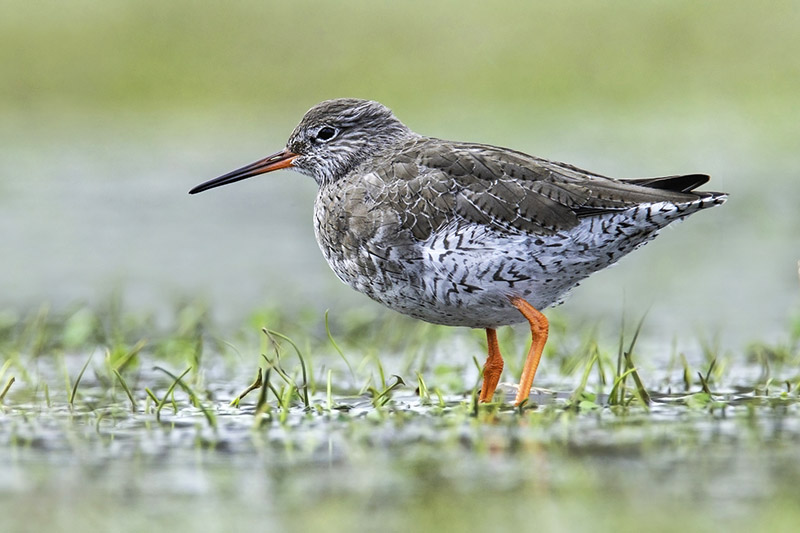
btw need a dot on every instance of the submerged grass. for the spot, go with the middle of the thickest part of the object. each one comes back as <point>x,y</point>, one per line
<point>34,347</point>
<point>8,386</point>
<point>397,422</point>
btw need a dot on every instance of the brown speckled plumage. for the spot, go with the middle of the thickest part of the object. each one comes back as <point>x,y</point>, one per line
<point>460,233</point>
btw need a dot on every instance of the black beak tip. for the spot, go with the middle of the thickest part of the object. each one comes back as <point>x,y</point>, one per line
<point>205,186</point>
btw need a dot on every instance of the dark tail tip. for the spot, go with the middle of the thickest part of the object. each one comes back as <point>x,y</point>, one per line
<point>686,183</point>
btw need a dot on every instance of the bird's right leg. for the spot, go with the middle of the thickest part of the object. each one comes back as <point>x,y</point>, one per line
<point>539,331</point>
<point>493,367</point>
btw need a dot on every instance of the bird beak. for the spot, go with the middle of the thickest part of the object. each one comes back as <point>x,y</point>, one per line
<point>276,161</point>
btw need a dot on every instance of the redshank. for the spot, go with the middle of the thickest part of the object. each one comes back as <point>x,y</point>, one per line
<point>465,234</point>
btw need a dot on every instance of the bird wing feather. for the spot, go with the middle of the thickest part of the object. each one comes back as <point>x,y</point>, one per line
<point>434,183</point>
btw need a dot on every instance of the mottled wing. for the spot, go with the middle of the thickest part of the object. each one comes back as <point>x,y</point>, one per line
<point>432,183</point>
<point>504,189</point>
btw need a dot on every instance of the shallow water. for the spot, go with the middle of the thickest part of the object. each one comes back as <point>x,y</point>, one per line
<point>406,465</point>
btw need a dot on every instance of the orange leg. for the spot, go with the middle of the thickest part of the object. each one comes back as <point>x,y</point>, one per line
<point>493,367</point>
<point>539,329</point>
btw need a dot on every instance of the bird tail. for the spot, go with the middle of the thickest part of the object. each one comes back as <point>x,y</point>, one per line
<point>684,184</point>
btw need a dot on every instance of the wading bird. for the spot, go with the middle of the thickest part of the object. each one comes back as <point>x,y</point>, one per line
<point>465,234</point>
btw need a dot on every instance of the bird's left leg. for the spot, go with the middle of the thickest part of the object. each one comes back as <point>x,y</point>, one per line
<point>493,367</point>
<point>539,330</point>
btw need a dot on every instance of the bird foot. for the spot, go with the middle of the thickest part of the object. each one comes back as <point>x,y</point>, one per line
<point>511,390</point>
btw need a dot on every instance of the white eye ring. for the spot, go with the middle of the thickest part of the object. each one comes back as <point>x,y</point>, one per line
<point>326,133</point>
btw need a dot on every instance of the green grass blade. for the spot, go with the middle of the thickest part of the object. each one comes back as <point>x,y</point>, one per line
<point>575,398</point>
<point>78,381</point>
<point>616,397</point>
<point>212,421</point>
<point>10,382</point>
<point>424,395</point>
<point>265,386</point>
<point>253,386</point>
<point>126,389</point>
<point>163,401</point>
<point>641,392</point>
<point>687,374</point>
<point>380,398</point>
<point>302,364</point>
<point>151,395</point>
<point>619,392</point>
<point>339,350</point>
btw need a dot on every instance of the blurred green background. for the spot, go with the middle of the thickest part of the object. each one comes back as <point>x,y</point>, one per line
<point>156,57</point>
<point>112,111</point>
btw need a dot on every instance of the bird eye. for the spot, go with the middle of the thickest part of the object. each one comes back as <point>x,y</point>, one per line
<point>326,133</point>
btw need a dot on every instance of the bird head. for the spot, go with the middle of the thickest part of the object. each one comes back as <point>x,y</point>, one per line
<point>334,137</point>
